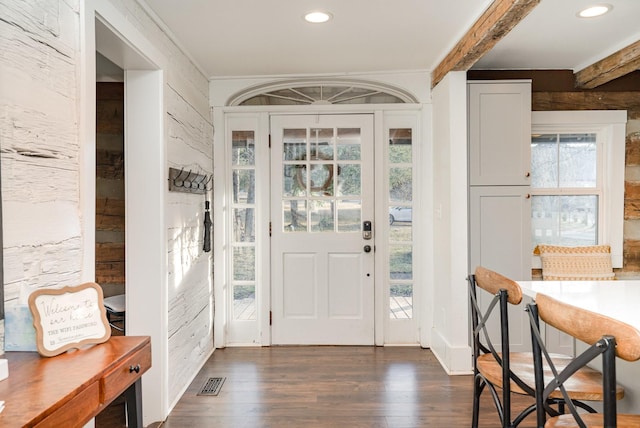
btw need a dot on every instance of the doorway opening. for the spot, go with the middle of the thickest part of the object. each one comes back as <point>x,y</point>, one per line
<point>110,188</point>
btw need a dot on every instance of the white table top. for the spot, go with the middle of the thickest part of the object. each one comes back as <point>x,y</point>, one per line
<point>616,299</point>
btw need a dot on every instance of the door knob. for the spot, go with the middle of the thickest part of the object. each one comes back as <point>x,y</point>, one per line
<point>367,248</point>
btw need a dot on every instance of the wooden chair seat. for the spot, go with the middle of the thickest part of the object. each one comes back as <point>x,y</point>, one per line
<point>593,420</point>
<point>586,385</point>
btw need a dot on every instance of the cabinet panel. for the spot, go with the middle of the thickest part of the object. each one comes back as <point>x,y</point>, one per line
<point>500,240</point>
<point>499,133</point>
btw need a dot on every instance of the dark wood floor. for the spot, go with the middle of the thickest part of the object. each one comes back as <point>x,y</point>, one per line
<point>325,387</point>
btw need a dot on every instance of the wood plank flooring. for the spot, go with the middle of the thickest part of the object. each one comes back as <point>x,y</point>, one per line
<point>328,386</point>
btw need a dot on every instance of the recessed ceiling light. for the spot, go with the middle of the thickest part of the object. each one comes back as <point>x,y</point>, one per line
<point>317,17</point>
<point>593,11</point>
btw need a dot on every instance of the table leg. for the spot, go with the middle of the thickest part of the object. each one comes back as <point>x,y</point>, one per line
<point>133,402</point>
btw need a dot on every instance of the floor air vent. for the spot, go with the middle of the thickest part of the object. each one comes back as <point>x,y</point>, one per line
<point>212,386</point>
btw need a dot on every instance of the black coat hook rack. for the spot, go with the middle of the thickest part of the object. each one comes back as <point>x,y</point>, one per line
<point>189,181</point>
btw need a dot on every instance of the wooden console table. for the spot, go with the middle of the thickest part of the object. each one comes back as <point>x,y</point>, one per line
<point>70,389</point>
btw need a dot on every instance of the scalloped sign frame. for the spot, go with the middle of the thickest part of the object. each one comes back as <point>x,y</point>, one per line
<point>68,317</point>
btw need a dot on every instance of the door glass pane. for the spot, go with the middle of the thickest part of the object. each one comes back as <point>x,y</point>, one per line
<point>400,145</point>
<point>400,262</point>
<point>243,148</point>
<point>400,229</point>
<point>321,180</point>
<point>294,144</point>
<point>400,184</point>
<point>244,302</point>
<point>349,176</point>
<point>314,187</point>
<point>321,143</point>
<point>244,262</point>
<point>321,216</point>
<point>294,180</point>
<point>400,239</point>
<point>564,220</point>
<point>401,301</point>
<point>243,225</point>
<point>244,186</point>
<point>349,216</point>
<point>348,144</point>
<point>294,215</point>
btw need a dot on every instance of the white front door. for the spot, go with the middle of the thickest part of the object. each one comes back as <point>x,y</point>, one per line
<point>322,277</point>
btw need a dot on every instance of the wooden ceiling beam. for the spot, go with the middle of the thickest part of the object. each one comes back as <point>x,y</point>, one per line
<point>615,65</point>
<point>499,18</point>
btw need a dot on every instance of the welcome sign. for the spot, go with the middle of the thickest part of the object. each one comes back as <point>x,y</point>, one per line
<point>68,317</point>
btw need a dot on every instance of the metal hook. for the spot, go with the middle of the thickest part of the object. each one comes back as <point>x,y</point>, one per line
<point>201,182</point>
<point>206,185</point>
<point>175,180</point>
<point>186,182</point>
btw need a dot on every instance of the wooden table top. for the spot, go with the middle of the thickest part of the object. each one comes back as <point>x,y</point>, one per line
<point>39,386</point>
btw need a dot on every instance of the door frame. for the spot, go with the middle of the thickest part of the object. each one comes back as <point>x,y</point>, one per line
<point>104,27</point>
<point>422,190</point>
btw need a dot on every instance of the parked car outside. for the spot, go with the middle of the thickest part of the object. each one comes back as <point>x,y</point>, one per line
<point>399,214</point>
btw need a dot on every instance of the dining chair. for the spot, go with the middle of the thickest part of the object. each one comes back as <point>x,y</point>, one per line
<point>496,369</point>
<point>503,372</point>
<point>607,338</point>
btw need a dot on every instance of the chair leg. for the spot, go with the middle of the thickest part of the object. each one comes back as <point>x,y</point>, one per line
<point>478,386</point>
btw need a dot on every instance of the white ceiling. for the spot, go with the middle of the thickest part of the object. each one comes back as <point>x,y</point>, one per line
<point>259,37</point>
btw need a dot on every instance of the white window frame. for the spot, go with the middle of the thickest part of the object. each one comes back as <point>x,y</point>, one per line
<point>610,127</point>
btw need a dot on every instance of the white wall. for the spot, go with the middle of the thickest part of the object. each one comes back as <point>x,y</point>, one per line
<point>449,340</point>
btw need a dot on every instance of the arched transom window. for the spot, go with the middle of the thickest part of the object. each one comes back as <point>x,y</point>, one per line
<point>321,92</point>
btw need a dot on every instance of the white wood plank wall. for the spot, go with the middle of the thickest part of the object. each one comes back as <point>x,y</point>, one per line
<point>39,138</point>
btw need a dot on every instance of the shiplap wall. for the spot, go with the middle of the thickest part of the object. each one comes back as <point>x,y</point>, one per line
<point>39,138</point>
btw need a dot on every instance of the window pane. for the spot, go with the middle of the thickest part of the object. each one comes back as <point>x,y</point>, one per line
<point>294,144</point>
<point>243,148</point>
<point>349,180</point>
<point>564,220</point>
<point>577,160</point>
<point>244,225</point>
<point>401,262</point>
<point>321,140</point>
<point>294,180</point>
<point>321,216</point>
<point>294,214</point>
<point>544,161</point>
<point>244,263</point>
<point>349,216</point>
<point>348,144</point>
<point>401,301</point>
<point>244,302</point>
<point>563,160</point>
<point>400,184</point>
<point>321,180</point>
<point>244,186</point>
<point>400,145</point>
<point>400,224</point>
<point>400,215</point>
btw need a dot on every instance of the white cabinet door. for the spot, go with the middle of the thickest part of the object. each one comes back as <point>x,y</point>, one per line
<point>499,133</point>
<point>500,236</point>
